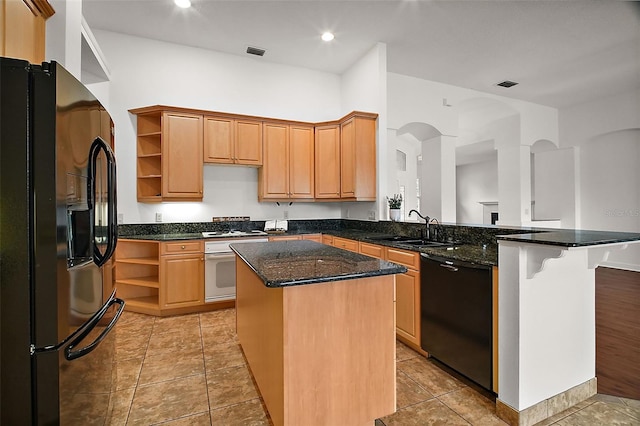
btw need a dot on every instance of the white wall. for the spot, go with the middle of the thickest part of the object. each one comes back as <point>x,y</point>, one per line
<point>412,100</point>
<point>476,182</point>
<point>554,185</point>
<point>606,133</point>
<point>63,36</point>
<point>149,72</point>
<point>364,88</point>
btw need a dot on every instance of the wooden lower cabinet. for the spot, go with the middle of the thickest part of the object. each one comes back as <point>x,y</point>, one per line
<point>346,244</point>
<point>182,280</point>
<point>407,284</point>
<point>311,237</point>
<point>407,296</point>
<point>408,306</point>
<point>162,278</point>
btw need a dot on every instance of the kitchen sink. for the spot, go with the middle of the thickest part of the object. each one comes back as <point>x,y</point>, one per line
<point>394,238</point>
<point>425,243</point>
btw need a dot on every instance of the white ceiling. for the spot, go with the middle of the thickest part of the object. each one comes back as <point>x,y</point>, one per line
<point>561,52</point>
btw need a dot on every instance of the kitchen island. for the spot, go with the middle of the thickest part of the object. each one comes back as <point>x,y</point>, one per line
<point>317,327</point>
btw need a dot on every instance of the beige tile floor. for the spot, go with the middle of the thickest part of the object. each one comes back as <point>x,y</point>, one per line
<point>189,370</point>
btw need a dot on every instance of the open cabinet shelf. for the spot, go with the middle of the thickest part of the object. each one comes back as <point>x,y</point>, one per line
<point>137,275</point>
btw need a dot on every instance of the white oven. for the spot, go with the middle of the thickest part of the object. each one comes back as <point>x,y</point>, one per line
<point>220,269</point>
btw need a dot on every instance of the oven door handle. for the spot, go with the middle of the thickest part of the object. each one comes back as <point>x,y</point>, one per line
<point>218,255</point>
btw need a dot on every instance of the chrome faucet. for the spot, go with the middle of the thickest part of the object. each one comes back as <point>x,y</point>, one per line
<point>426,219</point>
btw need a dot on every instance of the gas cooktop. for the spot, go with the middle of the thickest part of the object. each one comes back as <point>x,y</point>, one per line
<point>222,234</point>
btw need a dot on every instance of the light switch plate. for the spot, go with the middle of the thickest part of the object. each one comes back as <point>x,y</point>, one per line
<point>120,218</point>
<point>158,217</point>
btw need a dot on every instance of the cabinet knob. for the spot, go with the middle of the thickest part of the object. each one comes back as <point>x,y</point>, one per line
<point>182,247</point>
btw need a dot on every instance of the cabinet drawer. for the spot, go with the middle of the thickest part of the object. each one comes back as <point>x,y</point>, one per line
<point>345,244</point>
<point>372,250</point>
<point>327,239</point>
<point>286,238</point>
<point>313,237</point>
<point>179,247</point>
<point>407,258</point>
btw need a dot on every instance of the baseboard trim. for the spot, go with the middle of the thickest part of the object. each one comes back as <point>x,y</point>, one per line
<point>547,408</point>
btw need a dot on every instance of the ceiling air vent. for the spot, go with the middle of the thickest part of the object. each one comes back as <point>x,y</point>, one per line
<point>507,84</point>
<point>255,51</point>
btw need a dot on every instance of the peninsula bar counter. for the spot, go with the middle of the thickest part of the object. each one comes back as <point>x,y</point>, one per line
<point>317,327</point>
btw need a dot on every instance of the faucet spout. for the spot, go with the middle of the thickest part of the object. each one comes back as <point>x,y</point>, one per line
<point>426,219</point>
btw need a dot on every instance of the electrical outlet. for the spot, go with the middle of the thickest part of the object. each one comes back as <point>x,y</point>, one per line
<point>285,214</point>
<point>158,217</point>
<point>120,218</point>
<point>372,215</point>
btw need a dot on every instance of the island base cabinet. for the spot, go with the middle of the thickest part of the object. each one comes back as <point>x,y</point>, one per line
<point>329,363</point>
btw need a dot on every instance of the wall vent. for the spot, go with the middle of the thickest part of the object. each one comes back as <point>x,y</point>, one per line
<point>255,51</point>
<point>507,84</point>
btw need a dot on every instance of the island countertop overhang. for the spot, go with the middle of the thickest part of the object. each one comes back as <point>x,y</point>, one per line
<point>301,262</point>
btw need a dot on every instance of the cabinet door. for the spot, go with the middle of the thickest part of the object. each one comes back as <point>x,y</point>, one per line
<point>274,175</point>
<point>23,29</point>
<point>364,159</point>
<point>218,140</point>
<point>407,306</point>
<point>327,161</point>
<point>182,156</point>
<point>248,148</point>
<point>181,281</point>
<point>348,162</point>
<point>301,162</point>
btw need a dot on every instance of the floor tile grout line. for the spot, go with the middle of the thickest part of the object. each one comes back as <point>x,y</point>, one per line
<point>186,416</point>
<point>133,397</point>
<point>206,374</point>
<point>614,406</point>
<point>416,383</point>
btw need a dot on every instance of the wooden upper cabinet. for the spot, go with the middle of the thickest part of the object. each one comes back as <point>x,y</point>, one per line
<point>288,169</point>
<point>301,162</point>
<point>327,161</point>
<point>358,157</point>
<point>22,29</point>
<point>230,141</point>
<point>348,160</point>
<point>169,155</point>
<point>182,153</point>
<point>273,177</point>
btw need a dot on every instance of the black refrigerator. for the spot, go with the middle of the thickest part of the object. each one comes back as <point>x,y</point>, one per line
<point>58,230</point>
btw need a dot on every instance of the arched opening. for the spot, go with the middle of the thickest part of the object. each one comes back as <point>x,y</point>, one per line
<point>483,123</point>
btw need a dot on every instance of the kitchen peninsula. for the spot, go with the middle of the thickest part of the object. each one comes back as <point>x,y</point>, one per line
<point>317,326</point>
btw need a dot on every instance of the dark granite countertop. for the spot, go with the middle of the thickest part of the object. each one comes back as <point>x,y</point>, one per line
<point>164,237</point>
<point>288,263</point>
<point>572,237</point>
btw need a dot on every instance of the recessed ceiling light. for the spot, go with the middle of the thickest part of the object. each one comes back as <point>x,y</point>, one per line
<point>327,36</point>
<point>183,3</point>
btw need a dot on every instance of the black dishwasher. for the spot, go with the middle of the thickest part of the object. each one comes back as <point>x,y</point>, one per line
<point>456,316</point>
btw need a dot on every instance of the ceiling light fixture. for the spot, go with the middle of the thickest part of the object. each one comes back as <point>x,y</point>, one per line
<point>183,3</point>
<point>327,36</point>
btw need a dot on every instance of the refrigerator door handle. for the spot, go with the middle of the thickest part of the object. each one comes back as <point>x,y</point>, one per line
<point>82,331</point>
<point>70,354</point>
<point>112,226</point>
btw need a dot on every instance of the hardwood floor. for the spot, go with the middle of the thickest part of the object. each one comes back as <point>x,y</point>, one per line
<point>189,370</point>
